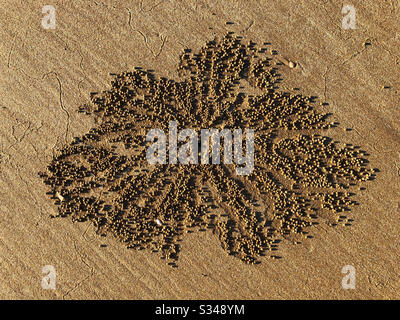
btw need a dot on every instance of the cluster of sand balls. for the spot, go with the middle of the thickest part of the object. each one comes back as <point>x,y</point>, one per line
<point>104,177</point>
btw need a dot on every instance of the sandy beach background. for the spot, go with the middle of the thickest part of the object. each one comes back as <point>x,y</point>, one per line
<point>46,74</point>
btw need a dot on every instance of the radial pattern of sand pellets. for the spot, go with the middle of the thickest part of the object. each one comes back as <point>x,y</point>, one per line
<point>300,175</point>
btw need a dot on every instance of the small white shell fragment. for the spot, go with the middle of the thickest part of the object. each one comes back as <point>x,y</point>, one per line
<point>158,221</point>
<point>287,62</point>
<point>59,196</point>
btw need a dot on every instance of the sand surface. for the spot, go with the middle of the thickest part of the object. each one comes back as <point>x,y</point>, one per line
<point>47,74</point>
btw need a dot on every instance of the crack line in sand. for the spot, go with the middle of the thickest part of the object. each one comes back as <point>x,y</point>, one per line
<point>163,39</point>
<point>151,8</point>
<point>61,102</point>
<point>79,283</point>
